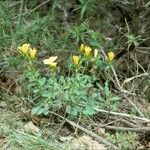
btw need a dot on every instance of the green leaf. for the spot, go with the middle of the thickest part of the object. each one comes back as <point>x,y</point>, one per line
<point>42,81</point>
<point>47,94</point>
<point>40,111</point>
<point>100,87</point>
<point>36,91</point>
<point>116,98</point>
<point>106,90</point>
<point>46,112</point>
<point>35,110</point>
<point>73,110</point>
<point>88,111</point>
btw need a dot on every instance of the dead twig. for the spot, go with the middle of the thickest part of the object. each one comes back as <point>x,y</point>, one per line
<point>122,115</point>
<point>135,107</point>
<point>98,138</point>
<point>128,123</point>
<point>137,76</point>
<point>124,121</point>
<point>120,88</point>
<point>141,129</point>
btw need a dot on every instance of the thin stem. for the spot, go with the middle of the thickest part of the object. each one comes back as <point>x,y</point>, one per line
<point>20,14</point>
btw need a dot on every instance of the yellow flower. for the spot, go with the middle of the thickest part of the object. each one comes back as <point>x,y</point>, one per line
<point>24,48</point>
<point>87,50</point>
<point>82,47</point>
<point>32,52</point>
<point>76,60</point>
<point>51,61</point>
<point>111,56</point>
<point>95,53</point>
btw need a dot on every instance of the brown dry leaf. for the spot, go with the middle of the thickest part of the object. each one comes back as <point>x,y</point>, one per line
<point>65,139</point>
<point>89,143</point>
<point>30,127</point>
<point>18,90</point>
<point>24,110</point>
<point>84,139</point>
<point>97,146</point>
<point>2,141</point>
<point>101,132</point>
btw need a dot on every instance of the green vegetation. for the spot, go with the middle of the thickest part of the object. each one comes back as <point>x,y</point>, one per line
<point>125,140</point>
<point>64,59</point>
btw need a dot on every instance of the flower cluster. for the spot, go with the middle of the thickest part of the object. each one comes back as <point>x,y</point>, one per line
<point>86,50</point>
<point>30,52</point>
<point>26,49</point>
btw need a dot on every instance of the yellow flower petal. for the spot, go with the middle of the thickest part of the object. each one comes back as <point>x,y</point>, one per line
<point>95,53</point>
<point>87,50</point>
<point>111,56</point>
<point>24,48</point>
<point>76,60</point>
<point>51,61</point>
<point>46,61</point>
<point>53,64</point>
<point>82,47</point>
<point>53,58</point>
<point>32,52</point>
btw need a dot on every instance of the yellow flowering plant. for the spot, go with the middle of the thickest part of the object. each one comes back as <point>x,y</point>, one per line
<point>76,60</point>
<point>110,56</point>
<point>82,47</point>
<point>24,48</point>
<point>72,86</point>
<point>32,53</point>
<point>87,51</point>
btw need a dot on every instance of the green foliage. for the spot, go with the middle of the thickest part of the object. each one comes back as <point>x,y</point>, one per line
<point>125,141</point>
<point>70,93</point>
<point>46,30</point>
<point>20,140</point>
<point>75,93</point>
<point>133,40</point>
<point>5,25</point>
<point>109,101</point>
<point>12,128</point>
<point>79,32</point>
<point>87,6</point>
<point>58,27</point>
